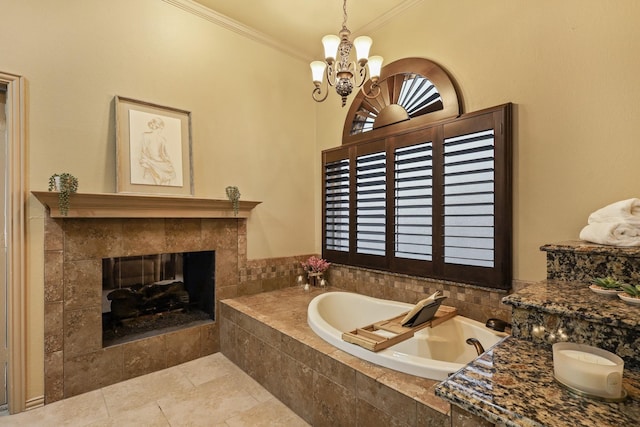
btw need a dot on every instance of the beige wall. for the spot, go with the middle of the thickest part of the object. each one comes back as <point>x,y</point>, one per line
<point>253,123</point>
<point>570,67</point>
<point>248,126</point>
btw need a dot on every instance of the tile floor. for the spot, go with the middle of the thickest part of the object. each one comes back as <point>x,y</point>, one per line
<point>210,391</point>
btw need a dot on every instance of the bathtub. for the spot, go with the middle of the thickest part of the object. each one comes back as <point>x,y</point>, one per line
<point>431,353</point>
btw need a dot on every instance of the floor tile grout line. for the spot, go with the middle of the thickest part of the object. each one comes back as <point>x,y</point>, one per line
<point>104,400</point>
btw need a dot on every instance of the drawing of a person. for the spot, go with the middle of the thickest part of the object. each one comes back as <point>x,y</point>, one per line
<point>154,157</point>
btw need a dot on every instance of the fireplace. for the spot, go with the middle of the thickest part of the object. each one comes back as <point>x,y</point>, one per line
<point>76,359</point>
<point>147,295</point>
<point>101,226</point>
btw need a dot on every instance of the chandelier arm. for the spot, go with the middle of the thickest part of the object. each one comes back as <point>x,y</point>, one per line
<point>374,91</point>
<point>331,75</point>
<point>317,94</point>
<point>318,90</point>
<point>361,75</point>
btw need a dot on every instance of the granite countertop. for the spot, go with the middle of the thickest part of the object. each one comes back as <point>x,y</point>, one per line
<point>579,246</point>
<point>512,384</point>
<point>575,299</point>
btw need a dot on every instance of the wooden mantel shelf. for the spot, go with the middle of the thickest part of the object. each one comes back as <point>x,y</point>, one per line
<point>105,205</point>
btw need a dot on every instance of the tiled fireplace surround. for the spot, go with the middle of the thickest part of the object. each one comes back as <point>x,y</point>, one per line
<point>75,361</point>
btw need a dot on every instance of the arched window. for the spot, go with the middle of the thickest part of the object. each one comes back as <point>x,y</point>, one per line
<point>417,188</point>
<point>413,92</point>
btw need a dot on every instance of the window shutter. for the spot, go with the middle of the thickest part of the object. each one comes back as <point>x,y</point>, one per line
<point>432,202</point>
<point>336,205</point>
<point>371,204</point>
<point>413,178</point>
<point>469,207</point>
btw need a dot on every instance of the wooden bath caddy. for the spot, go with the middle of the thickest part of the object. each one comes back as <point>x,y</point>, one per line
<point>367,338</point>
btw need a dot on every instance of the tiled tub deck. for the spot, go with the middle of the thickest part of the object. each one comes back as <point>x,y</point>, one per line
<point>267,336</point>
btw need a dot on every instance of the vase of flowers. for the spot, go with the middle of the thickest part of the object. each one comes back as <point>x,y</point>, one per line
<point>315,268</point>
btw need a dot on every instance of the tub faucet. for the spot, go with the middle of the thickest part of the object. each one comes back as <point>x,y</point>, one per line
<point>474,342</point>
<point>498,325</point>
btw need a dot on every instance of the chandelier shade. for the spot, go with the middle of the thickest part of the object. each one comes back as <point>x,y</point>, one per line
<point>341,72</point>
<point>330,43</point>
<point>375,66</point>
<point>363,45</point>
<point>317,71</point>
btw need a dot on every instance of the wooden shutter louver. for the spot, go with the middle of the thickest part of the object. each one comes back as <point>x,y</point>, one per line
<point>418,95</point>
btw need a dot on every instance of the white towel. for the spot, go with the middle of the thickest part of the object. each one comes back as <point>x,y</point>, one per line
<point>611,233</point>
<point>624,211</point>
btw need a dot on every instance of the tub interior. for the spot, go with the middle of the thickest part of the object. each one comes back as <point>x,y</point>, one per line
<point>446,342</point>
<point>433,352</point>
<point>346,312</point>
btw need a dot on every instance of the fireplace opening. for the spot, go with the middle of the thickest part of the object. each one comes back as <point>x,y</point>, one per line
<point>148,295</point>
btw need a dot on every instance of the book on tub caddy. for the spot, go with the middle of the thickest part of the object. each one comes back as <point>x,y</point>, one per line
<point>427,312</point>
<point>423,311</point>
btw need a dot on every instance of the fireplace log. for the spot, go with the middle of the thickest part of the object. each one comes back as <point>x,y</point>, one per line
<point>147,299</point>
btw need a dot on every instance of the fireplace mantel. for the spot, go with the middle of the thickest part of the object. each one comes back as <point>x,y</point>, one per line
<point>106,205</point>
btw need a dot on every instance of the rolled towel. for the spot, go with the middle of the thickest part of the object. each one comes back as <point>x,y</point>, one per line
<point>609,233</point>
<point>627,211</point>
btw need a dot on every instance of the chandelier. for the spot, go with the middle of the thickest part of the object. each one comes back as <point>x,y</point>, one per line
<point>344,74</point>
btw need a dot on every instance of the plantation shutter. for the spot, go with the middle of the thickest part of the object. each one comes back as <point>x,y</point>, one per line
<point>371,203</point>
<point>433,202</point>
<point>413,201</point>
<point>476,198</point>
<point>336,205</point>
<point>469,199</point>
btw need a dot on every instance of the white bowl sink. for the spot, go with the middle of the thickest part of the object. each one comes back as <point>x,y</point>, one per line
<point>590,370</point>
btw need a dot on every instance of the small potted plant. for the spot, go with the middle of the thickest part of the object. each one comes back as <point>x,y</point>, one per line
<point>65,184</point>
<point>233,194</point>
<point>606,285</point>
<point>630,294</point>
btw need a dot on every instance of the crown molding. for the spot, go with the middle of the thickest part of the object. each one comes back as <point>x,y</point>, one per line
<point>232,25</point>
<point>386,17</point>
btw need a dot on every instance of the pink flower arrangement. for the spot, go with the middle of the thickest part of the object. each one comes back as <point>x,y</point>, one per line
<point>315,265</point>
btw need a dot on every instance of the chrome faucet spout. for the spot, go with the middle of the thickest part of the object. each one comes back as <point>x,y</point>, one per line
<point>474,342</point>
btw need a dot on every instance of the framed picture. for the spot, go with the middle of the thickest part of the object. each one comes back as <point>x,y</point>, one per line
<point>153,148</point>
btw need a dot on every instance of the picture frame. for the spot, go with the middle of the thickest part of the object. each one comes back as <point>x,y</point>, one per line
<point>153,149</point>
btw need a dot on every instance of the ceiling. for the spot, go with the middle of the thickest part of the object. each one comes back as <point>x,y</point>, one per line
<point>300,24</point>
